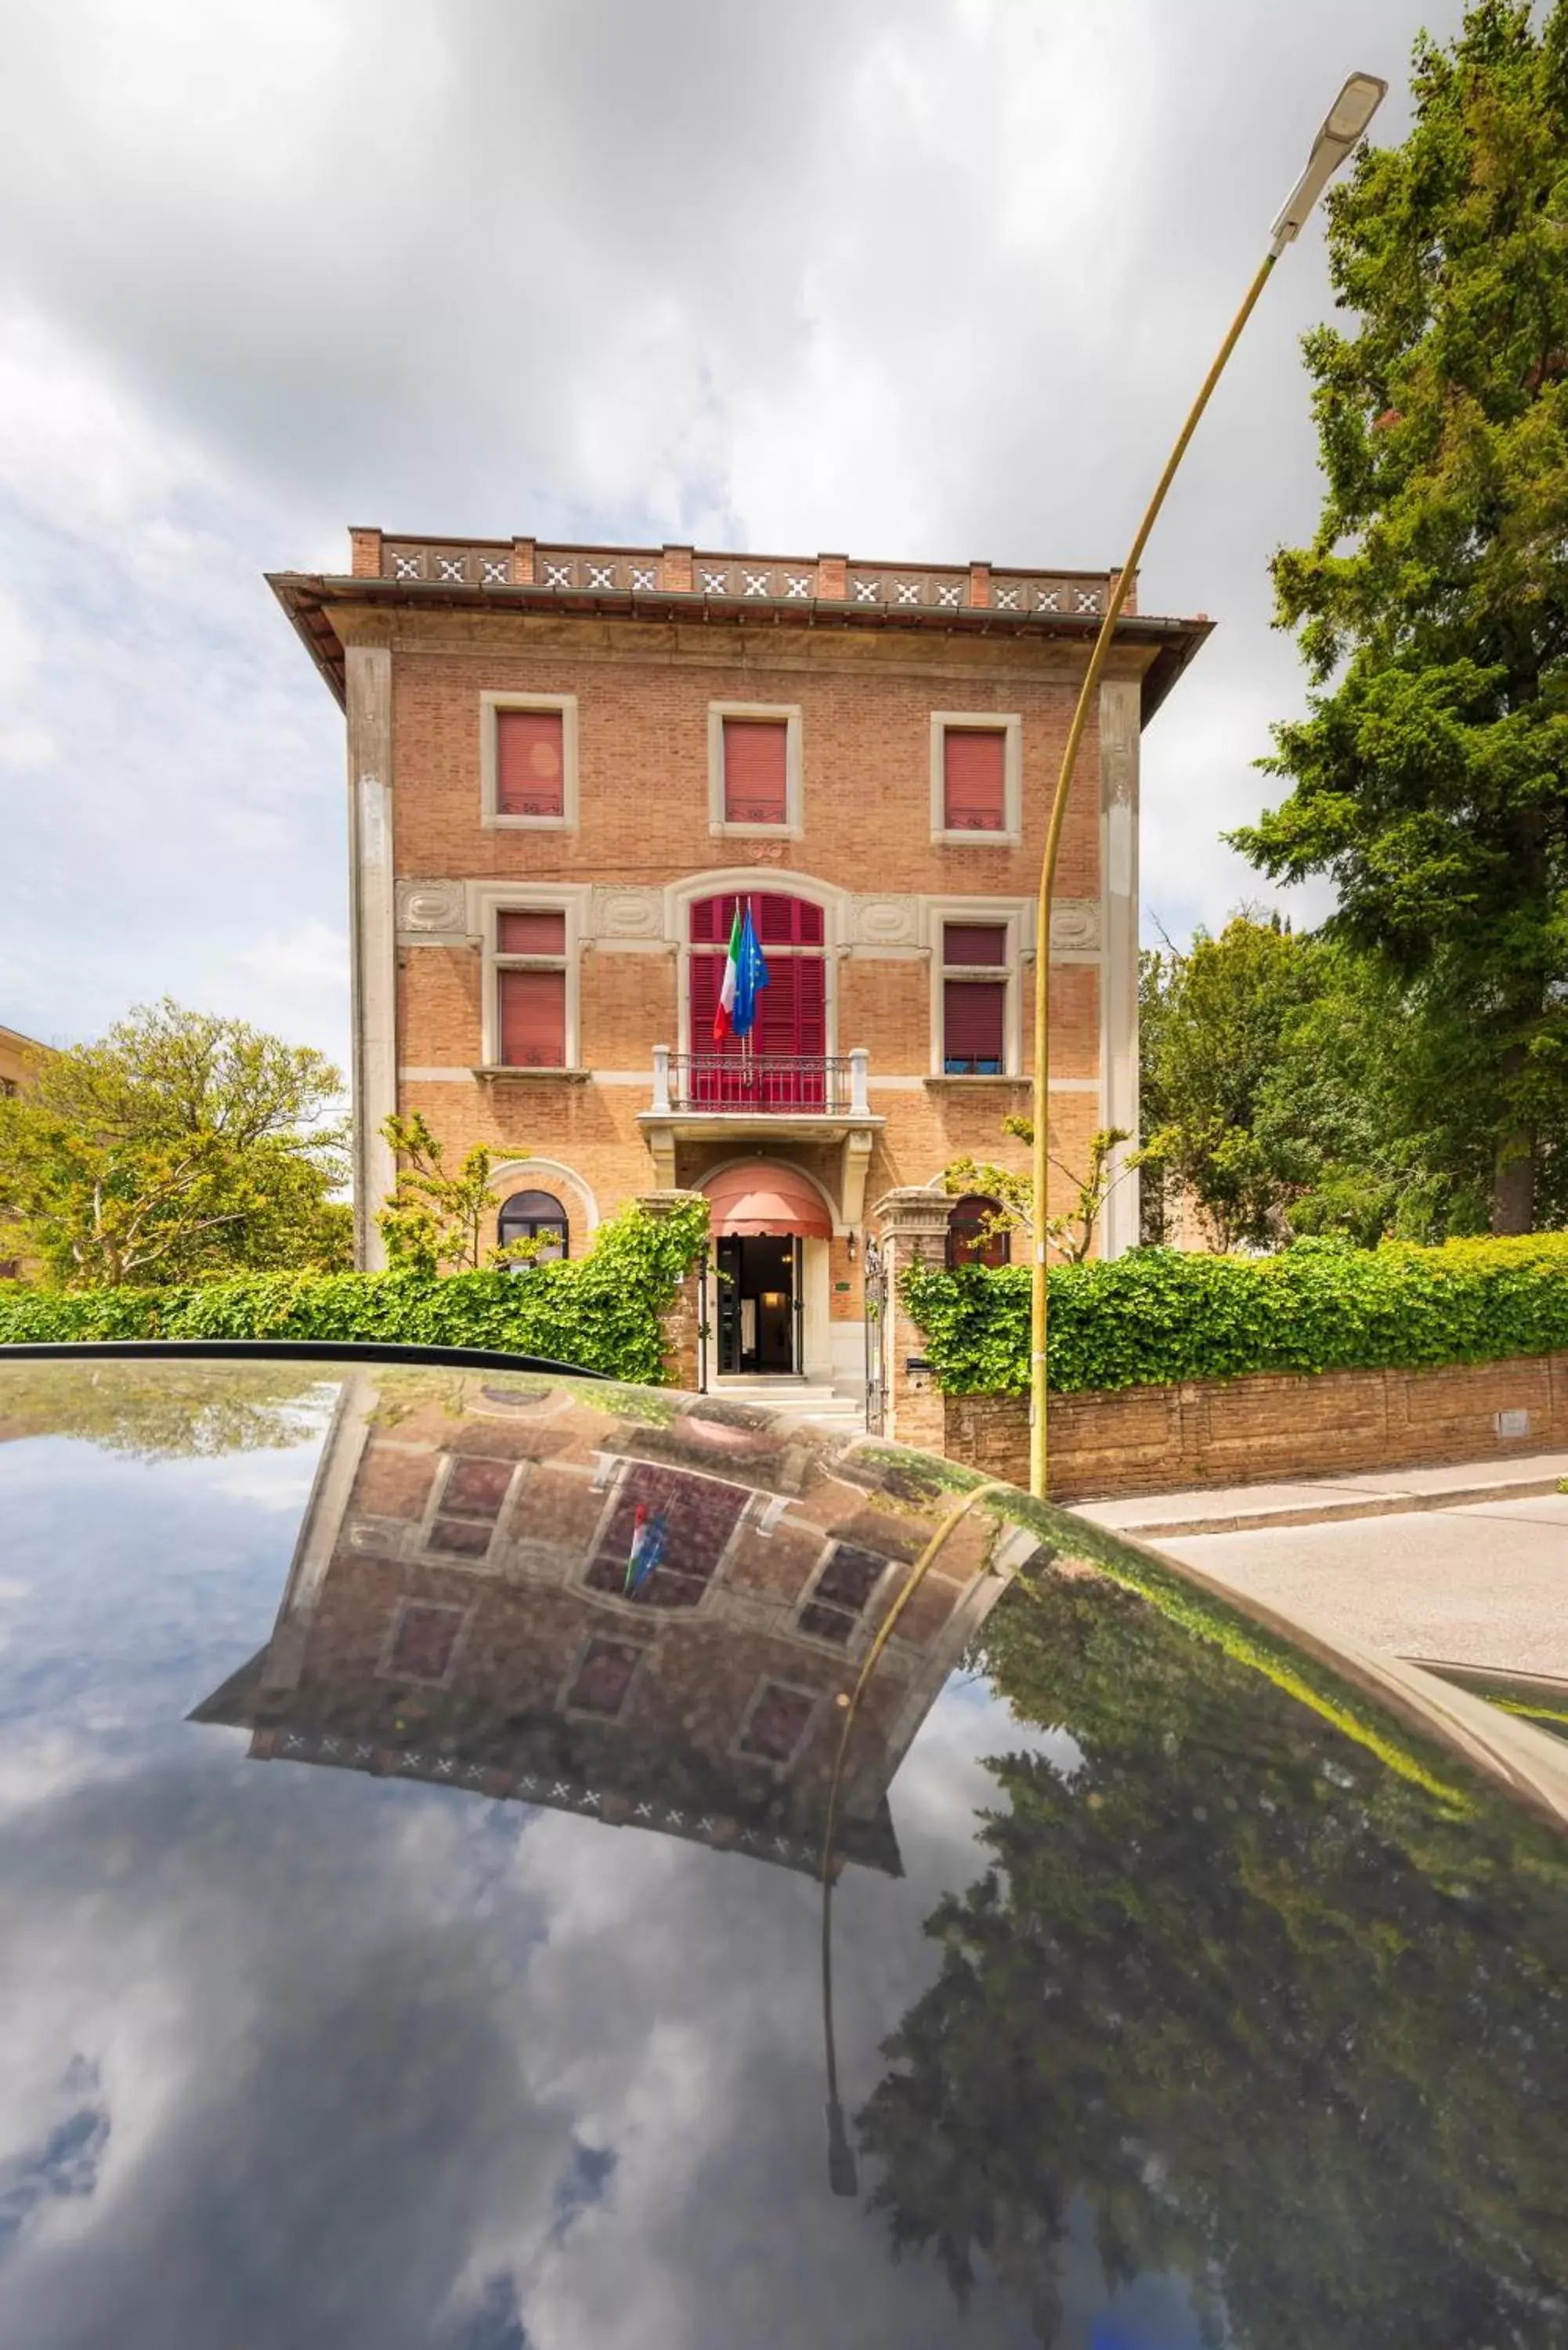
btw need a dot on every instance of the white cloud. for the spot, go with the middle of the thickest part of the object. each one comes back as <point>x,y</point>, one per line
<point>924,276</point>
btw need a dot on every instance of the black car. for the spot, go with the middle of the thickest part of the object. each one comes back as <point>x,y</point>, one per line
<point>489,1859</point>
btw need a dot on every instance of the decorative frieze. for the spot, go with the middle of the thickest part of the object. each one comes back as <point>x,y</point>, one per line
<point>432,909</point>
<point>1075,926</point>
<point>629,572</point>
<point>620,914</point>
<point>884,922</point>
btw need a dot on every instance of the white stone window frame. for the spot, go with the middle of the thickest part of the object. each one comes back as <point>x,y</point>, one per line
<point>488,900</point>
<point>386,1668</point>
<point>490,705</point>
<point>861,1620</point>
<point>780,1680</point>
<point>1009,725</point>
<point>1011,915</point>
<point>753,881</point>
<point>467,1562</point>
<point>769,713</point>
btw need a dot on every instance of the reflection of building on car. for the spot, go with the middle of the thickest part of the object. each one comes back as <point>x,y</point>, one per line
<point>458,1610</point>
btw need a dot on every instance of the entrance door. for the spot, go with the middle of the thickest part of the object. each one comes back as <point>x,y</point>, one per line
<point>757,1293</point>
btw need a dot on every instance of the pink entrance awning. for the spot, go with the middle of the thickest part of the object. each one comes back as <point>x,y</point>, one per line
<point>764,1197</point>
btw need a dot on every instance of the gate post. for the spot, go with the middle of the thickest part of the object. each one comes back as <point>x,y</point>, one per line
<point>914,1226</point>
<point>685,1361</point>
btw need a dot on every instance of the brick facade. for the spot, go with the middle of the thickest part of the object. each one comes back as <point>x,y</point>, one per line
<point>427,643</point>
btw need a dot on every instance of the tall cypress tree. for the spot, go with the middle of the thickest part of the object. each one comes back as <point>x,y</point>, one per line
<point>1430,776</point>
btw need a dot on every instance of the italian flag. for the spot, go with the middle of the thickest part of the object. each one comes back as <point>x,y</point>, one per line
<point>744,973</point>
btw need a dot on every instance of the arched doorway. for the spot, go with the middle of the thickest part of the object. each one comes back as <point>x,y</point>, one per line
<point>769,1227</point>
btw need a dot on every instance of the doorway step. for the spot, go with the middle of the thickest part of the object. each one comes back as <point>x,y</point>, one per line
<point>819,1407</point>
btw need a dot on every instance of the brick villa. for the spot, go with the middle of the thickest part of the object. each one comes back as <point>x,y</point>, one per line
<point>568,763</point>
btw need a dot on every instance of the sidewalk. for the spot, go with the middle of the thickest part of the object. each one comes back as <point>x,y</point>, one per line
<point>1465,1565</point>
<point>1247,1509</point>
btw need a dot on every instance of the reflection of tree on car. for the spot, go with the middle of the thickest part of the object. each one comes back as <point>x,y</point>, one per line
<point>1180,1992</point>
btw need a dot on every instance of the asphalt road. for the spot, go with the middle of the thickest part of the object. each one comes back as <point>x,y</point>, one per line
<point>1483,1585</point>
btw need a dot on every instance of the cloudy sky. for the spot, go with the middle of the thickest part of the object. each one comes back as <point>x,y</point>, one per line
<point>919,278</point>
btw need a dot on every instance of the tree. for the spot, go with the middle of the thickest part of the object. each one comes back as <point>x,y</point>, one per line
<point>1218,1025</point>
<point>1430,775</point>
<point>435,1223</point>
<point>179,1147</point>
<point>1072,1235</point>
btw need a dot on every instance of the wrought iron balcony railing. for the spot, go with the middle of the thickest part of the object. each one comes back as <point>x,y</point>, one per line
<point>767,1085</point>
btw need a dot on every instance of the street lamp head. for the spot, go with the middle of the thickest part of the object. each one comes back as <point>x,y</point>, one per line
<point>1347,119</point>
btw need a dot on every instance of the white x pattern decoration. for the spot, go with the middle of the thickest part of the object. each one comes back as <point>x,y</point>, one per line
<point>643,575</point>
<point>493,574</point>
<point>756,582</point>
<point>449,566</point>
<point>797,587</point>
<point>405,566</point>
<point>713,583</point>
<point>908,591</point>
<point>867,590</point>
<point>1007,599</point>
<point>1048,600</point>
<point>1088,600</point>
<point>949,595</point>
<point>601,574</point>
<point>557,575</point>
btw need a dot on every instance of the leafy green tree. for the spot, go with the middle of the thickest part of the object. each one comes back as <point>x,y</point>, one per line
<point>1071,1235</point>
<point>437,1221</point>
<point>179,1147</point>
<point>1430,776</point>
<point>1218,1018</point>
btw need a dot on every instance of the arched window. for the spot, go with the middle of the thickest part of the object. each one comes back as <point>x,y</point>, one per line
<point>969,1240</point>
<point>536,1216</point>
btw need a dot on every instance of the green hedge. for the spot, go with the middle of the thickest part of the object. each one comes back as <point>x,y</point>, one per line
<point>1156,1315</point>
<point>601,1311</point>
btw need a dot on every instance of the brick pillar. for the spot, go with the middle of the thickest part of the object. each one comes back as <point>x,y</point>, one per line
<point>833,576</point>
<point>980,584</point>
<point>522,574</point>
<point>365,553</point>
<point>683,1334</point>
<point>1131,604</point>
<point>914,1229</point>
<point>675,569</point>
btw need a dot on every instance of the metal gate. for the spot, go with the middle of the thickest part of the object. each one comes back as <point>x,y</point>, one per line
<point>876,1283</point>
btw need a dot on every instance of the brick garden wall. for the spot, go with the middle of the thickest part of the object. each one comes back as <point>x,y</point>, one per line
<point>1270,1426</point>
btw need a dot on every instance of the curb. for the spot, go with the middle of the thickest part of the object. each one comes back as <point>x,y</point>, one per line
<point>1362,1505</point>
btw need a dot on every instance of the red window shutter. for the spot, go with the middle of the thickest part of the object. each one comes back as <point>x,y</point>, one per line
<point>756,789</point>
<point>533,1019</point>
<point>781,921</point>
<point>530,763</point>
<point>787,922</point>
<point>533,933</point>
<point>973,771</point>
<point>972,1023</point>
<point>707,978</point>
<point>974,942</point>
<point>711,921</point>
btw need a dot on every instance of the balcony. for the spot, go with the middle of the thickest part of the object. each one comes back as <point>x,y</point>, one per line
<point>764,1099</point>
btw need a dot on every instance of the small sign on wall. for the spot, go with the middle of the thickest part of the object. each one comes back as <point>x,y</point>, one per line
<point>1511,1423</point>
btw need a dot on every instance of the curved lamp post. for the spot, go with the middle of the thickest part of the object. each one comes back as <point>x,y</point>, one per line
<point>1352,111</point>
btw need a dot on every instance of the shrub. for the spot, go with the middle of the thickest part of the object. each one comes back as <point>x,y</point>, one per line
<point>1156,1316</point>
<point>599,1312</point>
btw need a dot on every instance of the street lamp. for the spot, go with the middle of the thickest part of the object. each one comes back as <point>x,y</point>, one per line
<point>1347,120</point>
